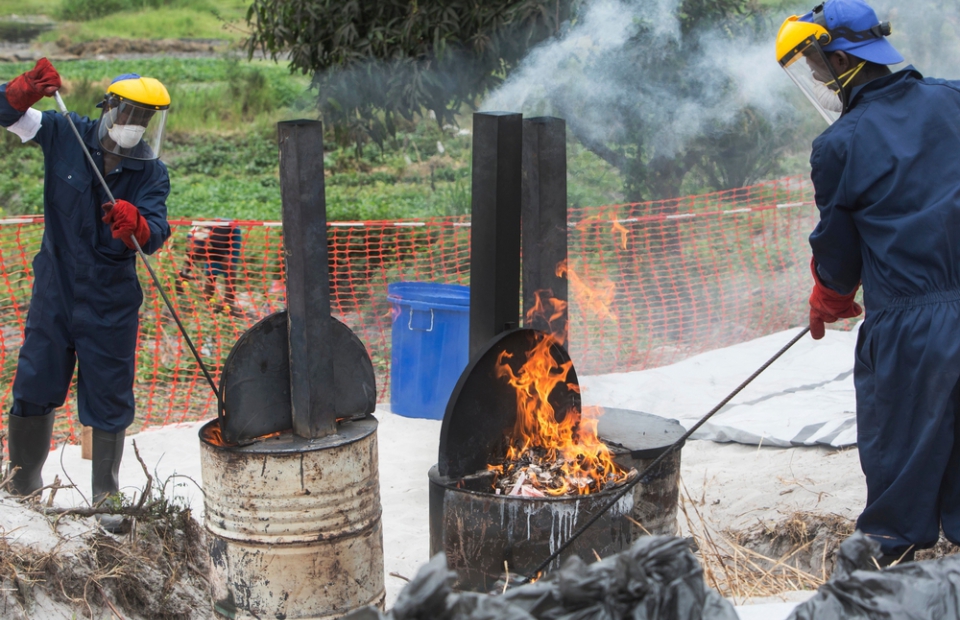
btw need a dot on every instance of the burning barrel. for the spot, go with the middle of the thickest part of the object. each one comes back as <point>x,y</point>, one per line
<point>521,467</point>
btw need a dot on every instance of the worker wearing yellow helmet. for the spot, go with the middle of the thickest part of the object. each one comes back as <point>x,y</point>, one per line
<point>86,295</point>
<point>133,117</point>
<point>805,46</point>
<point>886,177</point>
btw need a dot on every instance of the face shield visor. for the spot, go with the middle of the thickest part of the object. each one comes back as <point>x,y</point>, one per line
<point>802,45</point>
<point>130,128</point>
<point>800,54</point>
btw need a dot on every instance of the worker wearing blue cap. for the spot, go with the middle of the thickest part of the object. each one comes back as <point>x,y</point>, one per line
<point>886,174</point>
<point>86,295</point>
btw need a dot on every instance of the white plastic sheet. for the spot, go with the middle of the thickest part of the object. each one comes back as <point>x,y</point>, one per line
<point>805,398</point>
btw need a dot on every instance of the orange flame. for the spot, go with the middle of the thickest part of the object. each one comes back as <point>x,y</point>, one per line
<point>618,228</point>
<point>550,309</point>
<point>539,442</point>
<point>596,297</point>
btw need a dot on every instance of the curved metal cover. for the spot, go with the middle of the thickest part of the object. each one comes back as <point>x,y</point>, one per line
<point>646,436</point>
<point>482,409</point>
<point>255,382</point>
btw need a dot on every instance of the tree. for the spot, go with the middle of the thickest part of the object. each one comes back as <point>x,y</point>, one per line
<point>651,105</point>
<point>375,61</point>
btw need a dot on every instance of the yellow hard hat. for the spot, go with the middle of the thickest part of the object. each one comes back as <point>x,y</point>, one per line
<point>795,36</point>
<point>146,91</point>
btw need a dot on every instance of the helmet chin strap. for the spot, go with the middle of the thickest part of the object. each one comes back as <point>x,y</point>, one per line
<point>852,73</point>
<point>845,78</point>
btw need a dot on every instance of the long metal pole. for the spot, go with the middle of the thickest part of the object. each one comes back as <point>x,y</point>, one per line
<point>143,255</point>
<point>663,455</point>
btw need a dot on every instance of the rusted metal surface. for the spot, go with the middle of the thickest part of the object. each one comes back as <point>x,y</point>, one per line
<point>479,531</point>
<point>294,524</point>
<point>637,439</point>
<point>655,501</point>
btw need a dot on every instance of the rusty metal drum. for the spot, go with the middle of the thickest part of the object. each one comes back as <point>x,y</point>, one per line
<point>294,525</point>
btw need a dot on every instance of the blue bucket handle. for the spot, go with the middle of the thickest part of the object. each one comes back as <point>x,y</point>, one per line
<point>410,322</point>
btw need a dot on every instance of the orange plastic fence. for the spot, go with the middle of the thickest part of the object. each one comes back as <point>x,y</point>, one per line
<point>650,284</point>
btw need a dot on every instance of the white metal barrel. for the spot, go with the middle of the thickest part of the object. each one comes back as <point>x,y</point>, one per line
<point>294,525</point>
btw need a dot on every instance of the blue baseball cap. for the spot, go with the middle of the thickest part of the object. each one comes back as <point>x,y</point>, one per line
<point>120,78</point>
<point>855,28</point>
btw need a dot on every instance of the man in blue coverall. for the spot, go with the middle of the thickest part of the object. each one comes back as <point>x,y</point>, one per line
<point>86,295</point>
<point>886,174</point>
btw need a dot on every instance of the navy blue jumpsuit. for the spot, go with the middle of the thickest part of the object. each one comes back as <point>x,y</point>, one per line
<point>887,181</point>
<point>86,295</point>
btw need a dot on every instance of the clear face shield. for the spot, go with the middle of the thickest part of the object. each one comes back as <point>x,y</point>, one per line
<point>810,70</point>
<point>800,53</point>
<point>132,130</point>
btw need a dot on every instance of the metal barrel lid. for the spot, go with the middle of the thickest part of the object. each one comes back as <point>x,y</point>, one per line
<point>646,436</point>
<point>255,382</point>
<point>482,409</point>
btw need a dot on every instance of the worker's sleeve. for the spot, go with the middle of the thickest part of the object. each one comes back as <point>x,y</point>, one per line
<point>26,125</point>
<point>835,241</point>
<point>151,201</point>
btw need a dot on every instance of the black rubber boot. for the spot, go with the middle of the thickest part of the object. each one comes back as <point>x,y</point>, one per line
<point>107,453</point>
<point>895,559</point>
<point>28,440</point>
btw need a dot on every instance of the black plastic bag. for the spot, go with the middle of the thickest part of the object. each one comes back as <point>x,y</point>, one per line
<point>658,578</point>
<point>858,590</point>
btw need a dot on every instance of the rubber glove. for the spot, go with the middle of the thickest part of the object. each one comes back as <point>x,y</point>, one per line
<point>125,220</point>
<point>828,306</point>
<point>28,88</point>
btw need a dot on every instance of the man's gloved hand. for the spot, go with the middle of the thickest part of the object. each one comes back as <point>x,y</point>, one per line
<point>28,88</point>
<point>125,220</point>
<point>827,305</point>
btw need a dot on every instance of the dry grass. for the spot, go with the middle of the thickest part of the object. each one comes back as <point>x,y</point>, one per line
<point>794,554</point>
<point>769,559</point>
<point>154,571</point>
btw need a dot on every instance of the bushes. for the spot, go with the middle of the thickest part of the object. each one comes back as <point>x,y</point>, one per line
<point>83,10</point>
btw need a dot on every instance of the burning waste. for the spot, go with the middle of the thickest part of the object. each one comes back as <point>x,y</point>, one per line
<point>550,452</point>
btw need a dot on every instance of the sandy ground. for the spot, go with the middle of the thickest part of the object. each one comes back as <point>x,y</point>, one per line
<point>734,485</point>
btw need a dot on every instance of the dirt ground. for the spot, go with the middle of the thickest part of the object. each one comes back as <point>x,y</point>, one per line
<point>114,47</point>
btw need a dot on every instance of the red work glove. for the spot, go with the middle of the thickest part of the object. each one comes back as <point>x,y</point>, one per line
<point>28,88</point>
<point>827,305</point>
<point>125,220</point>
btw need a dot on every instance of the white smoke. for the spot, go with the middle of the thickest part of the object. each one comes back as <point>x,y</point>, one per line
<point>582,76</point>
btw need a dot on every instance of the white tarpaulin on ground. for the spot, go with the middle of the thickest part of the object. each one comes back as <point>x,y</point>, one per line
<point>804,398</point>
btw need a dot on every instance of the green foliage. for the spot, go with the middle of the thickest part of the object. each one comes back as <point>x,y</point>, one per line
<point>224,162</point>
<point>21,177</point>
<point>83,10</point>
<point>374,63</point>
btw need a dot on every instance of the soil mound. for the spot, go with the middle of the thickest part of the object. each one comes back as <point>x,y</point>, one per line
<point>115,46</point>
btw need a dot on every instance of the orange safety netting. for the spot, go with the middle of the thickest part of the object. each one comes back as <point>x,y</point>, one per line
<point>649,284</point>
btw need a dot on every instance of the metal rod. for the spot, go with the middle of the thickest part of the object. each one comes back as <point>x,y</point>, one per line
<point>143,255</point>
<point>663,455</point>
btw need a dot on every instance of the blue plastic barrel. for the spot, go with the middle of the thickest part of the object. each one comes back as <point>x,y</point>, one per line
<point>431,341</point>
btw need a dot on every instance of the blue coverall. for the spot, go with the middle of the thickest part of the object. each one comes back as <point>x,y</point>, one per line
<point>86,295</point>
<point>887,181</point>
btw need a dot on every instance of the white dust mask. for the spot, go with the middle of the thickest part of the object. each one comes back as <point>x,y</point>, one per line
<point>828,98</point>
<point>126,136</point>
